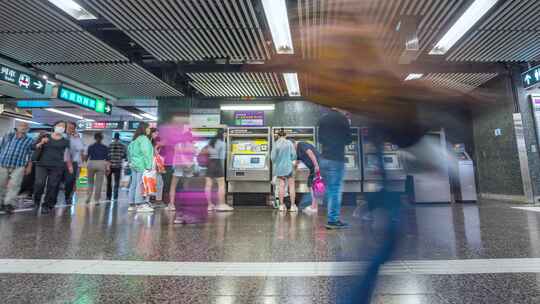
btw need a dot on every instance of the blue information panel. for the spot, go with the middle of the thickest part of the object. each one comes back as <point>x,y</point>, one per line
<point>22,80</point>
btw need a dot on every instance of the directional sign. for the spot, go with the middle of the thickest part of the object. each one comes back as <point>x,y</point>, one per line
<point>531,77</point>
<point>98,105</point>
<point>100,125</point>
<point>22,79</point>
<point>33,104</point>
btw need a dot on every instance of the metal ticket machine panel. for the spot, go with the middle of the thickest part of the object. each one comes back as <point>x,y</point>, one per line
<point>299,134</point>
<point>390,164</point>
<point>463,179</point>
<point>248,160</point>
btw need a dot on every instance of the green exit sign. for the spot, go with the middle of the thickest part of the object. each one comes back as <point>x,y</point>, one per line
<point>98,105</point>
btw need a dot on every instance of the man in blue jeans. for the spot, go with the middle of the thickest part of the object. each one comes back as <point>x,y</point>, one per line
<point>334,135</point>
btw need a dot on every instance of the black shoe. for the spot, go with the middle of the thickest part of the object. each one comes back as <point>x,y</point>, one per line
<point>9,208</point>
<point>337,225</point>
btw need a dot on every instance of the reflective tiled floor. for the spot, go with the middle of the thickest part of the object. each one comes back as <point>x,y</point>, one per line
<point>437,234</point>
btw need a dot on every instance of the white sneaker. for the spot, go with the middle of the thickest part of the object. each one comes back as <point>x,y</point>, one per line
<point>282,207</point>
<point>132,208</point>
<point>310,210</point>
<point>211,207</point>
<point>224,208</point>
<point>170,207</point>
<point>145,208</point>
<point>293,208</point>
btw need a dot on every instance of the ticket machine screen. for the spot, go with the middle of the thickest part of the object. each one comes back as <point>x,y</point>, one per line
<point>251,146</point>
<point>391,162</point>
<point>248,161</point>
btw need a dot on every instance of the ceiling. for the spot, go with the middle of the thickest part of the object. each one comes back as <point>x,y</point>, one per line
<point>140,50</point>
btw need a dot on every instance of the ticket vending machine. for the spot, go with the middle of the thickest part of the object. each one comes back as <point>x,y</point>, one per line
<point>248,160</point>
<point>390,163</point>
<point>300,134</point>
<point>463,180</point>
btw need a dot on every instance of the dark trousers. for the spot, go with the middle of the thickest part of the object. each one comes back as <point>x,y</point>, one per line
<point>167,177</point>
<point>50,176</point>
<point>70,182</point>
<point>112,192</point>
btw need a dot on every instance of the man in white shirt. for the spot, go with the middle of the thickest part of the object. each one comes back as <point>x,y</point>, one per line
<point>76,149</point>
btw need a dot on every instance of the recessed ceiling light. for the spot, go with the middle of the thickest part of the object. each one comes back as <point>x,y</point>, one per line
<point>413,76</point>
<point>149,116</point>
<point>293,87</point>
<point>469,18</point>
<point>278,21</point>
<point>73,9</point>
<point>137,116</point>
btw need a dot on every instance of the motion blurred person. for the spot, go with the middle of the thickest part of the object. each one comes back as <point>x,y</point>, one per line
<point>334,135</point>
<point>168,141</point>
<point>158,165</point>
<point>216,171</point>
<point>117,154</point>
<point>76,148</point>
<point>141,158</point>
<point>283,155</point>
<point>309,156</point>
<point>98,166</point>
<point>52,157</point>
<point>15,163</point>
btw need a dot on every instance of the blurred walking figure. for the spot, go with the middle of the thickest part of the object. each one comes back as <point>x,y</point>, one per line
<point>141,158</point>
<point>15,151</point>
<point>117,154</point>
<point>334,135</point>
<point>159,165</point>
<point>309,156</point>
<point>98,166</point>
<point>52,156</point>
<point>283,155</point>
<point>76,149</point>
<point>216,171</point>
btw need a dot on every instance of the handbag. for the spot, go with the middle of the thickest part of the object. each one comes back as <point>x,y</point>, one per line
<point>149,182</point>
<point>318,186</point>
<point>203,157</point>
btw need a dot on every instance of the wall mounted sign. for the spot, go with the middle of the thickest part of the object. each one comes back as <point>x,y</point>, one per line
<point>134,124</point>
<point>33,104</point>
<point>535,104</point>
<point>204,117</point>
<point>22,80</point>
<point>100,125</point>
<point>249,118</point>
<point>531,77</point>
<point>98,105</point>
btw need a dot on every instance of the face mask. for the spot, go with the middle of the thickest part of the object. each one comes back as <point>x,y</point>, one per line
<point>59,129</point>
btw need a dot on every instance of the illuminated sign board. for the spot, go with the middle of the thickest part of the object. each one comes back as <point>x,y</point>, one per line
<point>22,80</point>
<point>249,118</point>
<point>134,124</point>
<point>531,77</point>
<point>33,104</point>
<point>100,125</point>
<point>98,105</point>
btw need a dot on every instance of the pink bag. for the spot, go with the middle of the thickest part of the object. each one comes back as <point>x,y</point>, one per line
<point>318,187</point>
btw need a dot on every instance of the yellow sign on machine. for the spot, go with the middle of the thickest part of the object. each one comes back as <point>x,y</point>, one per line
<point>250,146</point>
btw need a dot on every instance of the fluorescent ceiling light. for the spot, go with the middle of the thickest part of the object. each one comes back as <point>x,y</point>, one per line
<point>413,76</point>
<point>469,18</point>
<point>89,119</point>
<point>73,9</point>
<point>64,113</point>
<point>27,121</point>
<point>149,116</point>
<point>137,116</point>
<point>278,21</point>
<point>52,83</point>
<point>291,80</point>
<point>252,107</point>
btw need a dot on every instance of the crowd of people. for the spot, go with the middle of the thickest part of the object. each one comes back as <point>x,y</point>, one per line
<point>159,162</point>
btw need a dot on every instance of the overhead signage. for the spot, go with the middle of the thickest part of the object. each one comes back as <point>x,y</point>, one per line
<point>134,124</point>
<point>33,104</point>
<point>295,131</point>
<point>22,80</point>
<point>98,105</point>
<point>100,125</point>
<point>249,118</point>
<point>535,103</point>
<point>249,131</point>
<point>531,77</point>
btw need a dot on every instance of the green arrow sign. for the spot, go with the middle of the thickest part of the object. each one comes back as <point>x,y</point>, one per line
<point>98,105</point>
<point>531,77</point>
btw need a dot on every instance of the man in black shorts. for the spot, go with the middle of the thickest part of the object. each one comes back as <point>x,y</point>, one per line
<point>307,154</point>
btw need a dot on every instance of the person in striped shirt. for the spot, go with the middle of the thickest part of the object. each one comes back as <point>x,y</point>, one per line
<point>117,154</point>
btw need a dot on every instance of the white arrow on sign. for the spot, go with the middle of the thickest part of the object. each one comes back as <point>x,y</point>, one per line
<point>107,109</point>
<point>527,79</point>
<point>38,84</point>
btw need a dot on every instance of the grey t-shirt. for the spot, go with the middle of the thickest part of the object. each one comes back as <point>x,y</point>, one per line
<point>218,151</point>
